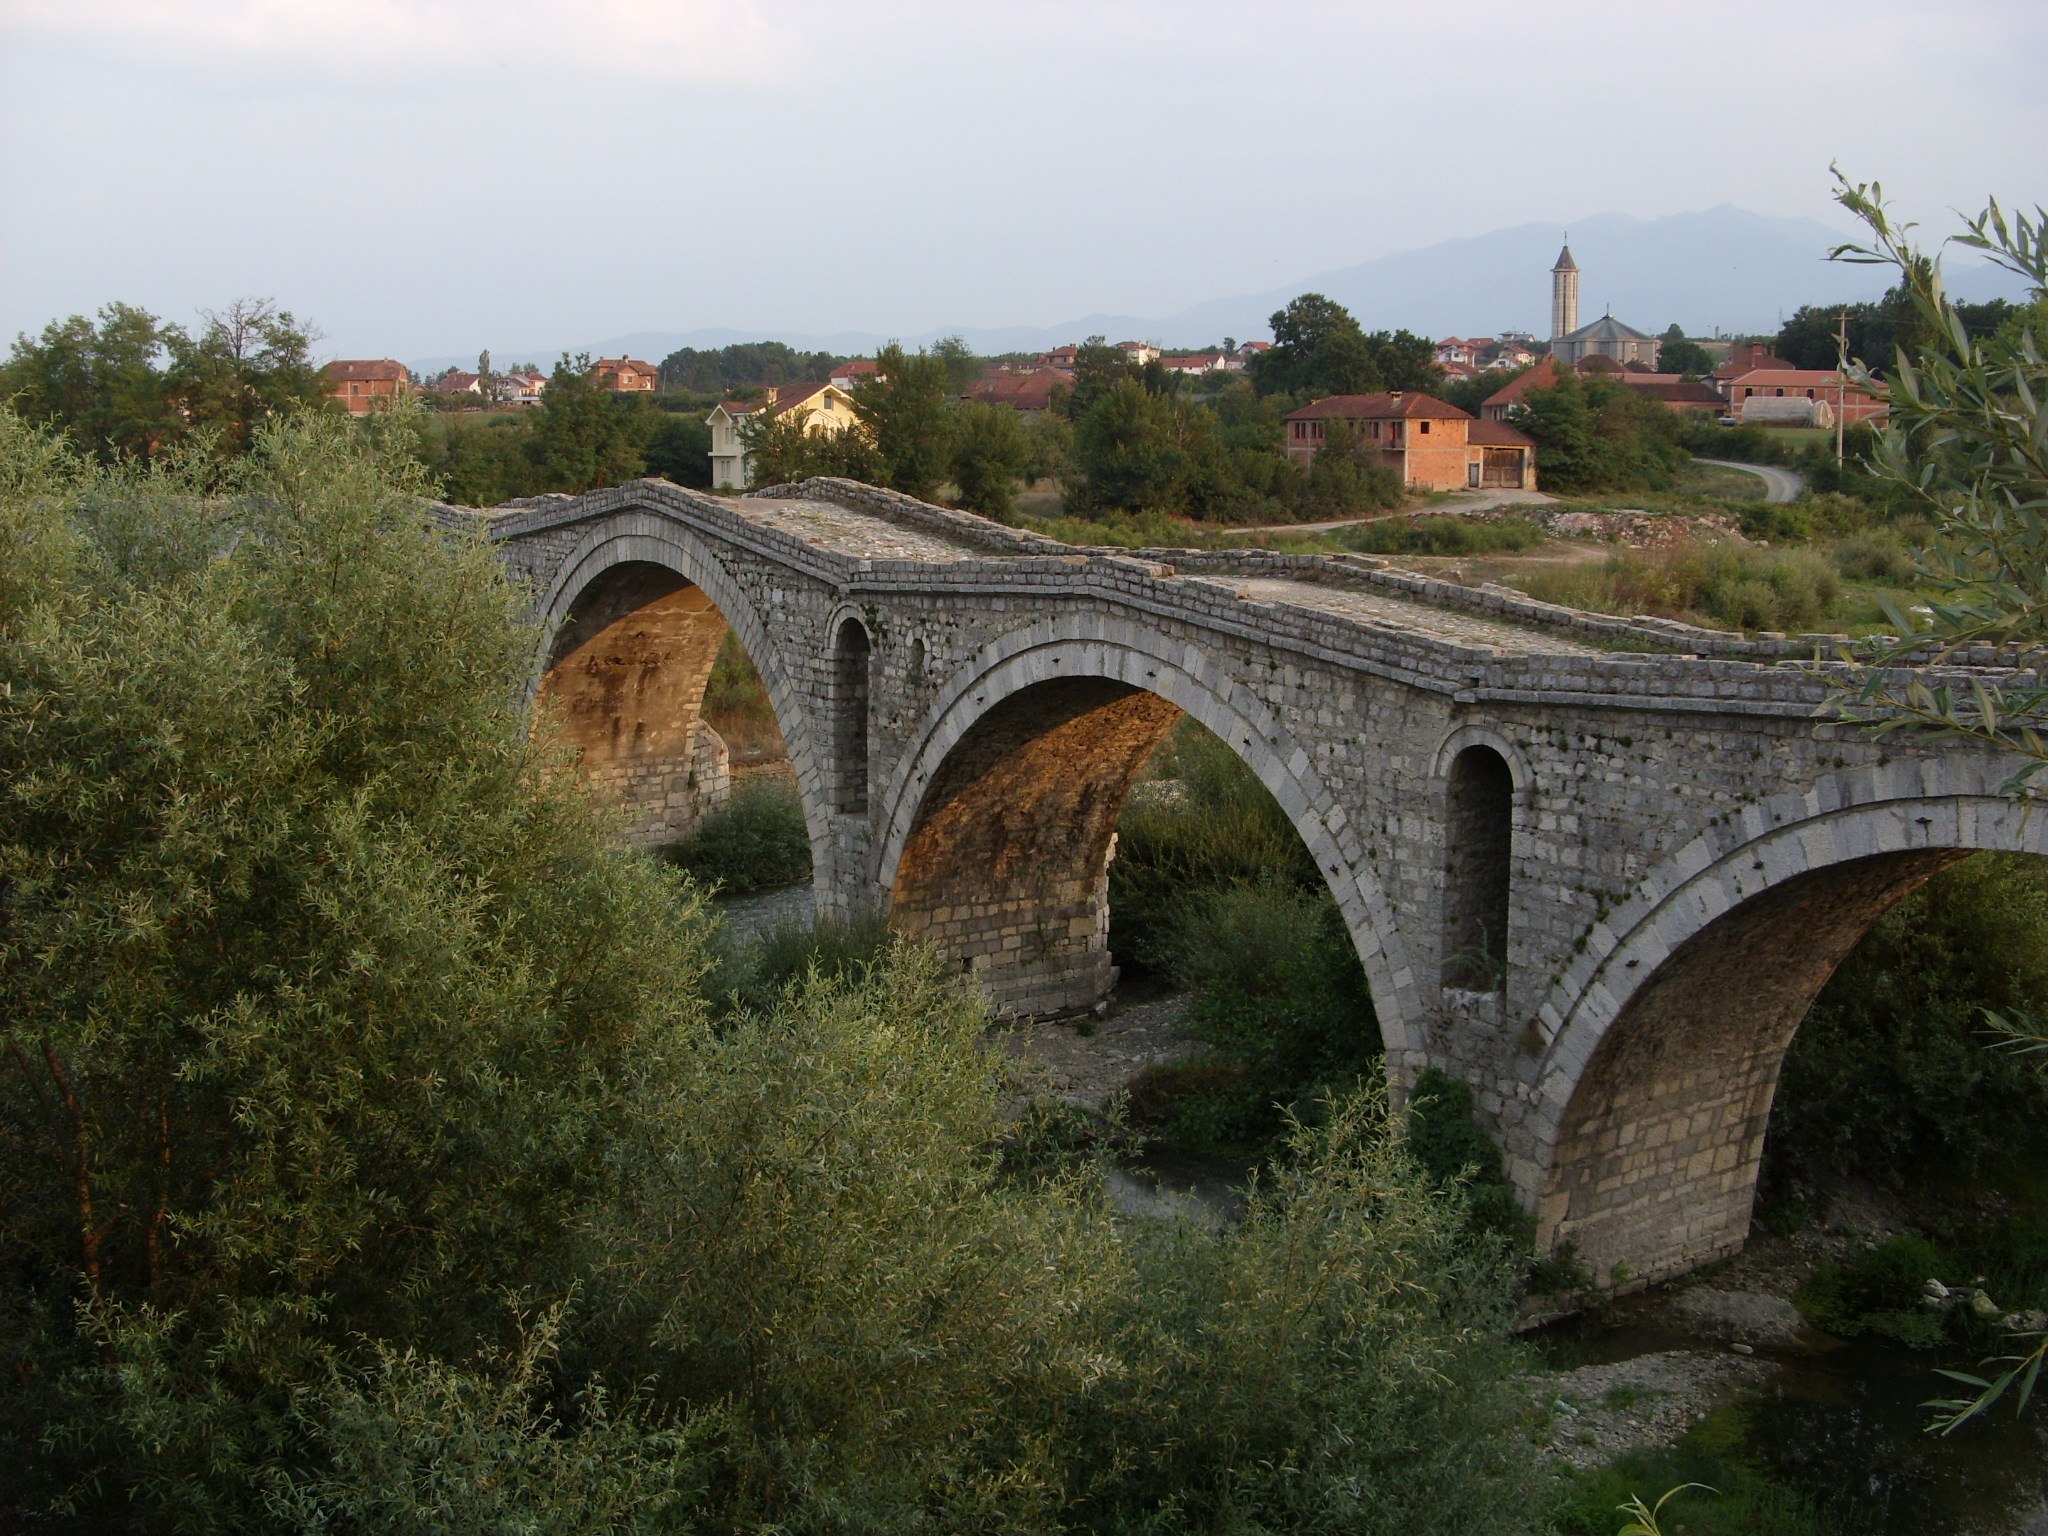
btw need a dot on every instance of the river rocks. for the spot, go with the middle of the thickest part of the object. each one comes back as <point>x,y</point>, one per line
<point>1748,1317</point>
<point>1604,1411</point>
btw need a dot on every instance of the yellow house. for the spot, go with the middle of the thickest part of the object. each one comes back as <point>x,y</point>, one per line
<point>829,408</point>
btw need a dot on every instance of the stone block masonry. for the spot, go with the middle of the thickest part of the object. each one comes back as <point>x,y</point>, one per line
<point>1595,867</point>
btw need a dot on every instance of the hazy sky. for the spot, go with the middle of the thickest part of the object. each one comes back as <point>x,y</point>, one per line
<point>431,176</point>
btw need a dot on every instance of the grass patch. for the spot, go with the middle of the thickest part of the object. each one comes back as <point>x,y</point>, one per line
<point>756,841</point>
<point>1717,480</point>
<point>1738,1499</point>
<point>1441,535</point>
<point>754,974</point>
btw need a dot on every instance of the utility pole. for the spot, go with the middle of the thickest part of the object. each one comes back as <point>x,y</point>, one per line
<point>1841,381</point>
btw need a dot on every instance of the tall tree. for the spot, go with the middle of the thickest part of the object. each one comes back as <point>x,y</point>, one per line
<point>1677,355</point>
<point>990,450</point>
<point>1126,450</point>
<point>585,436</point>
<point>1318,349</point>
<point>907,416</point>
<point>102,383</point>
<point>253,363</point>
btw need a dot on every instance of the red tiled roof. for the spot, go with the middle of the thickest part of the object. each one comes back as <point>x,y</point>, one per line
<point>366,368</point>
<point>1497,434</point>
<point>1791,378</point>
<point>1542,376</point>
<point>1020,391</point>
<point>1674,390</point>
<point>860,367</point>
<point>1408,405</point>
<point>787,396</point>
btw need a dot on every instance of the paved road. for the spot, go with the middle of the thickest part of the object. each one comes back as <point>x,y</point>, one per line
<point>1451,506</point>
<point>1779,484</point>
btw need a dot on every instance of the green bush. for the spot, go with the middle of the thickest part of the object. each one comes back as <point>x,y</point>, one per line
<point>1441,536</point>
<point>1199,821</point>
<point>1455,1154</point>
<point>1278,990</point>
<point>754,973</point>
<point>1878,555</point>
<point>756,841</point>
<point>1879,1291</point>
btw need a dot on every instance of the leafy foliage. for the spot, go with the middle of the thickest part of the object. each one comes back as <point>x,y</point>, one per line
<point>755,841</point>
<point>1968,437</point>
<point>128,386</point>
<point>1889,1073</point>
<point>1593,434</point>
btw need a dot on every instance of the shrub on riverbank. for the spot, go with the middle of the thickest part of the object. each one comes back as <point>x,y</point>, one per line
<point>756,841</point>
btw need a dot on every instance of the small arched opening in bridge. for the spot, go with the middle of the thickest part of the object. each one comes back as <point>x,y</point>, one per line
<point>852,652</point>
<point>1663,1076</point>
<point>1479,815</point>
<point>1004,856</point>
<point>640,676</point>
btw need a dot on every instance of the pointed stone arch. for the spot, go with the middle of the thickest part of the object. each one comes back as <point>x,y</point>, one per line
<point>1127,664</point>
<point>645,539</point>
<point>1665,1037</point>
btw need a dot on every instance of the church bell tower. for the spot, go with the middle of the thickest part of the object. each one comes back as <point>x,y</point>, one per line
<point>1564,295</point>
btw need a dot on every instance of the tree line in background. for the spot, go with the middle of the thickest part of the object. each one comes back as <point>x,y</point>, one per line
<point>127,385</point>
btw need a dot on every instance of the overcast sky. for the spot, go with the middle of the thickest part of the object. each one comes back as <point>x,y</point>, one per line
<point>432,176</point>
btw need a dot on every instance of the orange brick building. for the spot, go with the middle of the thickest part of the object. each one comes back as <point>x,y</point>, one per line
<point>359,383</point>
<point>1428,442</point>
<point>625,375</point>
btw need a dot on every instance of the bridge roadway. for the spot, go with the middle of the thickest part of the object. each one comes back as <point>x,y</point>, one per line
<point>1597,867</point>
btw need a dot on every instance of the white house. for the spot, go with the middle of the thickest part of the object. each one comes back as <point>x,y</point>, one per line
<point>827,408</point>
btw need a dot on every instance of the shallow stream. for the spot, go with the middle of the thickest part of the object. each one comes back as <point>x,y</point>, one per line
<point>1844,1422</point>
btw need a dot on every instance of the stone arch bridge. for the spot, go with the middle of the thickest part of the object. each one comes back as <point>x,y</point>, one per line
<point>1597,868</point>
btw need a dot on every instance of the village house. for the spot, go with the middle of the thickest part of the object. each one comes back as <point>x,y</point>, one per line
<point>1429,443</point>
<point>1138,352</point>
<point>522,386</point>
<point>1754,395</point>
<point>826,408</point>
<point>625,375</point>
<point>1193,366</point>
<point>360,383</point>
<point>456,382</point>
<point>1062,358</point>
<point>848,374</point>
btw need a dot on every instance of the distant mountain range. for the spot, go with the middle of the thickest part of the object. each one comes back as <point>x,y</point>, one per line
<point>1722,269</point>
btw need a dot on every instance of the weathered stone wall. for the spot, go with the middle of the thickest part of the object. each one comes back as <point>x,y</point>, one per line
<point>626,690</point>
<point>1014,685</point>
<point>1008,867</point>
